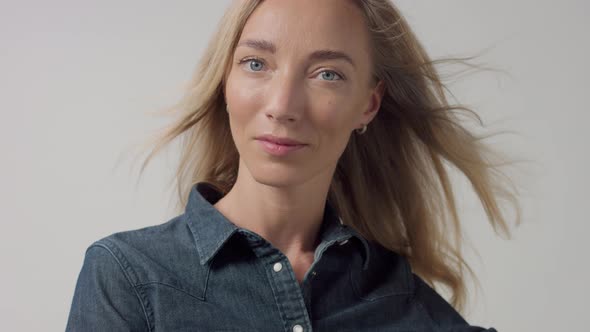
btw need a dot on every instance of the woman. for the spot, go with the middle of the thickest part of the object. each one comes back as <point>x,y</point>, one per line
<point>316,196</point>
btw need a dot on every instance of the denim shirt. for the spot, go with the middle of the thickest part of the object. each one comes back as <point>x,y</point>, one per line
<point>201,272</point>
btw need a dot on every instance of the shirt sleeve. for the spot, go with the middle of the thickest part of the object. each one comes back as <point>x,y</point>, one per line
<point>104,298</point>
<point>440,311</point>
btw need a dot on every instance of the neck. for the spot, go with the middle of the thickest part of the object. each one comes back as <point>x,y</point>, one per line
<point>288,216</point>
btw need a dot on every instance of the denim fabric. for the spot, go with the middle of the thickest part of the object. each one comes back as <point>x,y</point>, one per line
<point>200,272</point>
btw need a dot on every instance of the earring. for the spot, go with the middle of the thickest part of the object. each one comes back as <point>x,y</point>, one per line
<point>361,130</point>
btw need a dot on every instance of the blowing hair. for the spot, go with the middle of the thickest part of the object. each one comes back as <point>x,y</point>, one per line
<point>392,184</point>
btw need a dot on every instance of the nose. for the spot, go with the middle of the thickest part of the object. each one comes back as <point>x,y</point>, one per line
<point>286,99</point>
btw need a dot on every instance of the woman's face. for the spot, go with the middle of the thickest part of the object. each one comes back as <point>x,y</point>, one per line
<point>301,70</point>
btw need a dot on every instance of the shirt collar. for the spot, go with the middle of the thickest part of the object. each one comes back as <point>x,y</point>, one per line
<point>211,229</point>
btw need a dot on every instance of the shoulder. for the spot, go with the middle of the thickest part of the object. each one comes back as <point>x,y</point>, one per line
<point>402,280</point>
<point>109,291</point>
<point>146,237</point>
<point>439,310</point>
<point>153,253</point>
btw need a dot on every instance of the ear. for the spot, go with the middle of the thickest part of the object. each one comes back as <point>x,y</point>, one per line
<point>375,98</point>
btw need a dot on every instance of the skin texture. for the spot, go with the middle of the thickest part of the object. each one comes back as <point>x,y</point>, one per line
<point>317,101</point>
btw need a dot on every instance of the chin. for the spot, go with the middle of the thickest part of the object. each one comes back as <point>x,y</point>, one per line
<point>277,178</point>
<point>276,174</point>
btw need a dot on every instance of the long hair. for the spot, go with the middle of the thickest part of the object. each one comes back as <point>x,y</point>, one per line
<point>391,184</point>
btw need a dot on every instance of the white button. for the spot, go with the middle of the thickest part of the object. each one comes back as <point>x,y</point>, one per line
<point>278,266</point>
<point>297,328</point>
<point>344,242</point>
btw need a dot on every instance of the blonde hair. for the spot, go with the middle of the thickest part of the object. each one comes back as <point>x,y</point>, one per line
<point>390,183</point>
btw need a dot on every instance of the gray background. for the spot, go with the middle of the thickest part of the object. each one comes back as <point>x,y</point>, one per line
<point>78,79</point>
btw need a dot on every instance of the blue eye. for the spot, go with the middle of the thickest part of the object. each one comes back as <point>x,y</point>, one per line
<point>253,61</point>
<point>256,65</point>
<point>330,76</point>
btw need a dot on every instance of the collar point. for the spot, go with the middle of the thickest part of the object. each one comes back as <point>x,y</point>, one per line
<point>203,261</point>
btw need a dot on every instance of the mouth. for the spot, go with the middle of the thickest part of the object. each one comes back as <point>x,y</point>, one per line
<point>278,149</point>
<point>280,140</point>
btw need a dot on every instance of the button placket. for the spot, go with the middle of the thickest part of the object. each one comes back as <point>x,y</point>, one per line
<point>287,292</point>
<point>282,283</point>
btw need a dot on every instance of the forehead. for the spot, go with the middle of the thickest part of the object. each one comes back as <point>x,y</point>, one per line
<point>296,26</point>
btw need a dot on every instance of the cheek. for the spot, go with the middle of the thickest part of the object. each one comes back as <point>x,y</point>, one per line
<point>243,102</point>
<point>241,94</point>
<point>333,123</point>
<point>334,119</point>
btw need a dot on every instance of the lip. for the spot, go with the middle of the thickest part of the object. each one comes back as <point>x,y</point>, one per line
<point>279,149</point>
<point>279,140</point>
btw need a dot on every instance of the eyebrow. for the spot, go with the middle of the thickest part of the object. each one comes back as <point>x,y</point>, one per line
<point>267,46</point>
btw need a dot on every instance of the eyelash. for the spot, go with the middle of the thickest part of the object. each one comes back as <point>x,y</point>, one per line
<point>342,78</point>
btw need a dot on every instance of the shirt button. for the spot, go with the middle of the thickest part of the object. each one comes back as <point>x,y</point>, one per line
<point>297,328</point>
<point>278,266</point>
